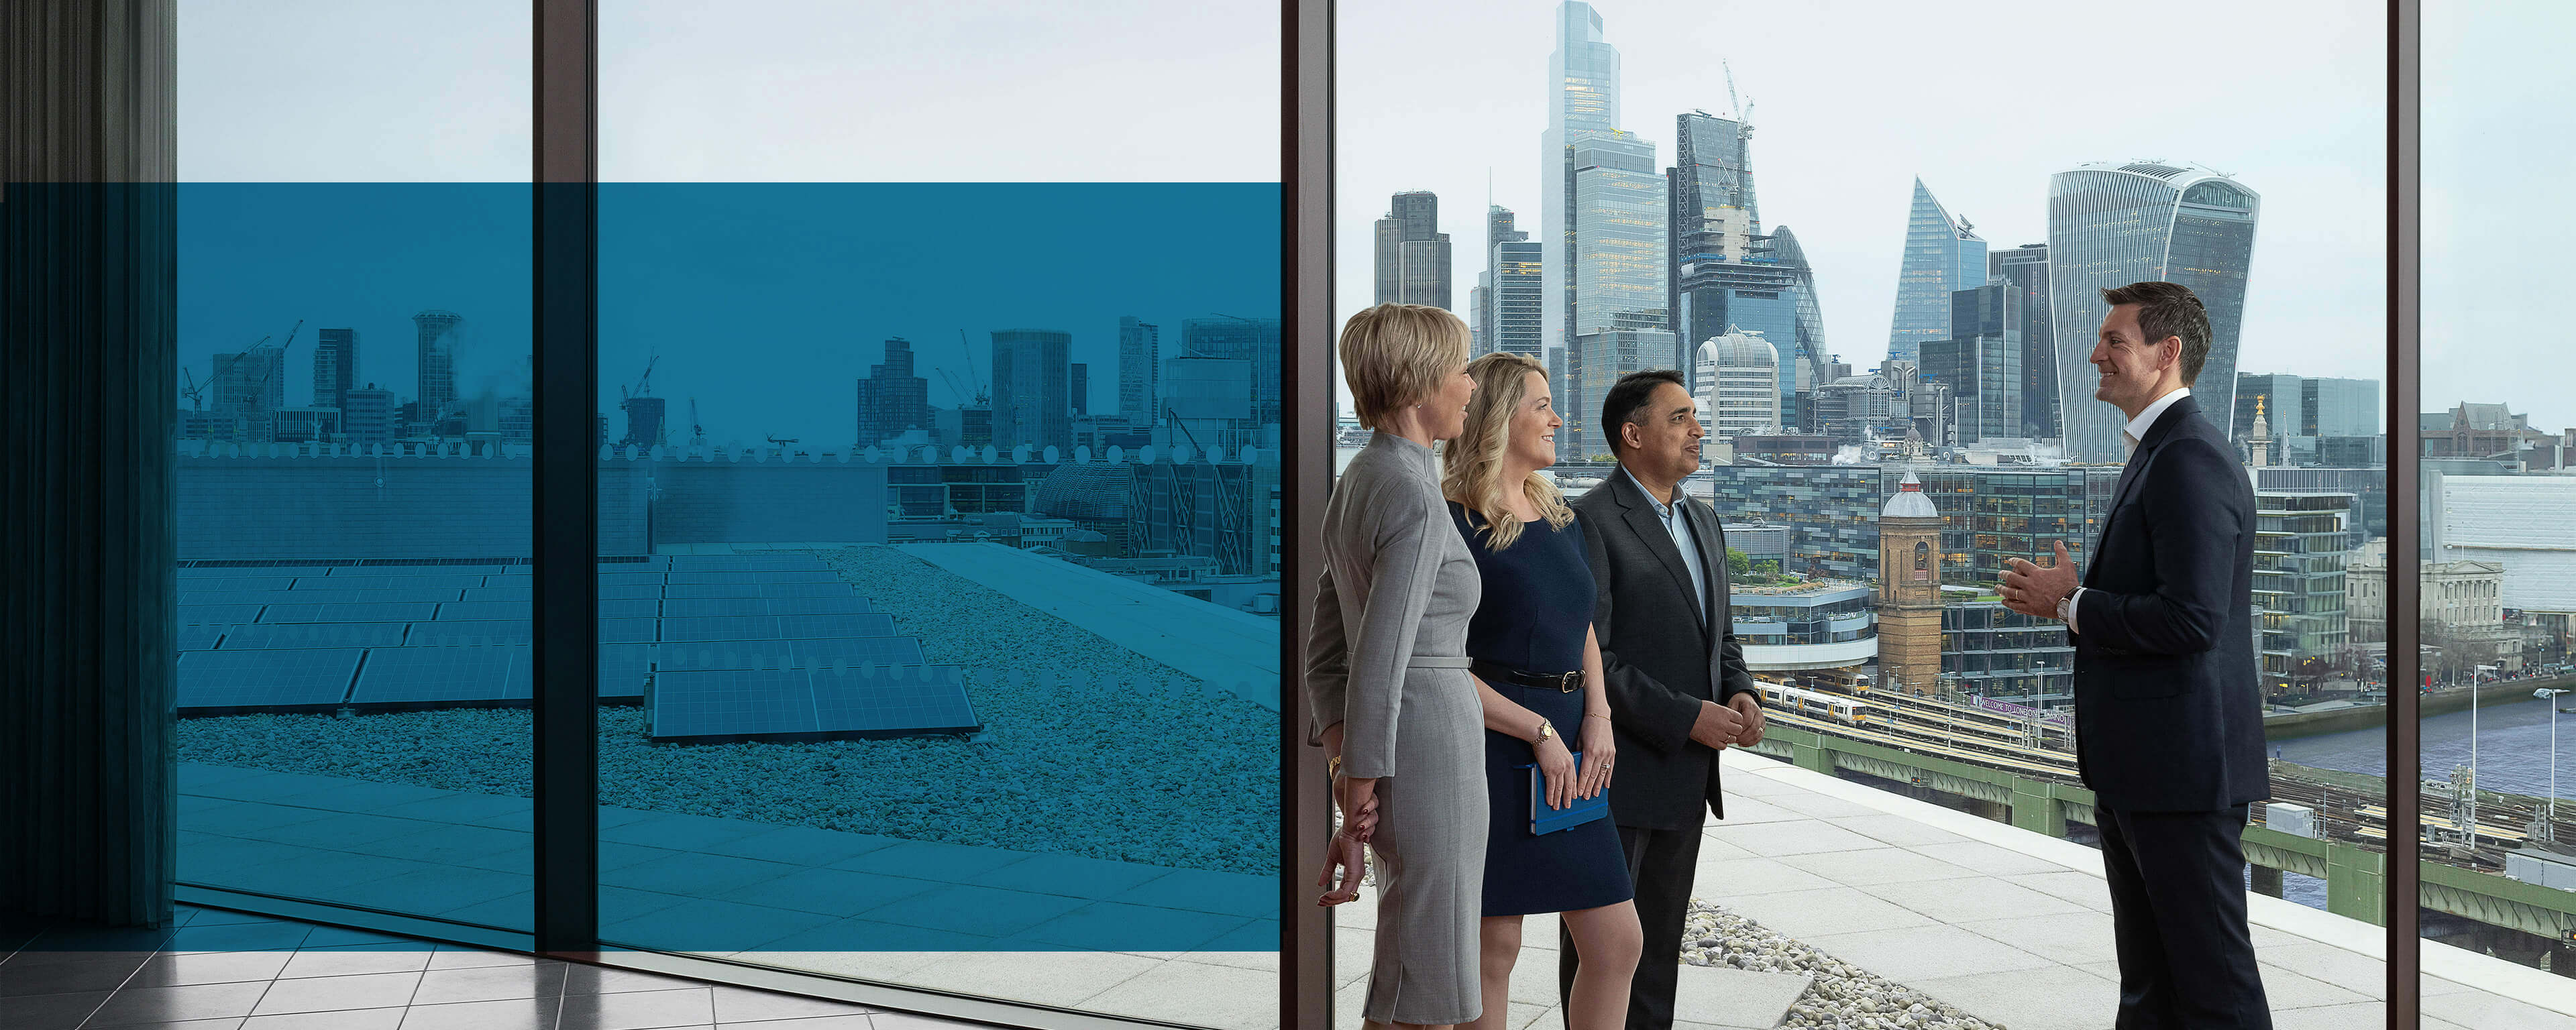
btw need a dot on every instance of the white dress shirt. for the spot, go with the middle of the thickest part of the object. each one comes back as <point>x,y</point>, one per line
<point>2130,436</point>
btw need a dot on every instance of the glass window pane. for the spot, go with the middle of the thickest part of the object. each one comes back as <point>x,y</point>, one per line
<point>1896,398</point>
<point>352,469</point>
<point>939,405</point>
<point>2495,595</point>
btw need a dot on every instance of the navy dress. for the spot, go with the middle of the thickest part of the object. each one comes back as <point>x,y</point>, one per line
<point>1536,610</point>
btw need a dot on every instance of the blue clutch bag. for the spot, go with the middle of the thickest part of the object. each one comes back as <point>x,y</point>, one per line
<point>1546,819</point>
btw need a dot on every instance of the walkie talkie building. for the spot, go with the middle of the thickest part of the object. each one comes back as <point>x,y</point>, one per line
<point>2114,224</point>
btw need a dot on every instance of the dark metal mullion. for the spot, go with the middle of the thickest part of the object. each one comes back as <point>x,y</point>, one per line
<point>1306,461</point>
<point>2405,390</point>
<point>565,509</point>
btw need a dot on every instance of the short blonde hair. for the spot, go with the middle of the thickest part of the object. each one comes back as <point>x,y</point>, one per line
<point>1473,463</point>
<point>1396,354</point>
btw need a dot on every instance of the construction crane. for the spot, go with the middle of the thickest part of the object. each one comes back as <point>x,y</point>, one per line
<point>193,390</point>
<point>1733,106</point>
<point>643,383</point>
<point>982,398</point>
<point>262,389</point>
<point>635,398</point>
<point>697,432</point>
<point>785,444</point>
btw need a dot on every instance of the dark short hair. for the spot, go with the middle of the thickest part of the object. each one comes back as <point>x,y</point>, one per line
<point>1628,396</point>
<point>2168,309</point>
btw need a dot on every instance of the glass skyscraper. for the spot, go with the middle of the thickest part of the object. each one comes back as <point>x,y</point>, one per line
<point>1032,387</point>
<point>1619,320</point>
<point>1725,274</point>
<point>438,333</point>
<point>1815,364</point>
<point>1254,340</point>
<point>1509,318</point>
<point>1140,356</point>
<point>1981,363</point>
<point>335,366</point>
<point>2113,224</point>
<point>1942,255</point>
<point>1582,102</point>
<point>2025,270</point>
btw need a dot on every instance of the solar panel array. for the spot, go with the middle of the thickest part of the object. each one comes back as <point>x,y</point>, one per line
<point>808,704</point>
<point>718,647</point>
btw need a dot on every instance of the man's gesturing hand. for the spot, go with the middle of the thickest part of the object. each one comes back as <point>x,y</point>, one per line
<point>2034,589</point>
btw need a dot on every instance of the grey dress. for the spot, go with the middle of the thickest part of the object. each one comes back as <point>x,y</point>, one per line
<point>1390,666</point>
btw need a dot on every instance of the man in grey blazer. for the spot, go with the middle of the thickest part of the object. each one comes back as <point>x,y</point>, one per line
<point>1678,687</point>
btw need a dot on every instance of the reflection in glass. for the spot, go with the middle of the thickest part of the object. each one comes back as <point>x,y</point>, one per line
<point>2498,578</point>
<point>931,644</point>
<point>352,493</point>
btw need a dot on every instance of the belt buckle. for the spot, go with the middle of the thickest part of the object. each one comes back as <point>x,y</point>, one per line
<point>1569,682</point>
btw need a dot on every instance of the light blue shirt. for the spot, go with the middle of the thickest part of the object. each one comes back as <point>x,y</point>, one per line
<point>1685,539</point>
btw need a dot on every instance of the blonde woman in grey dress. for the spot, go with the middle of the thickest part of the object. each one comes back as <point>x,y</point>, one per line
<point>1399,717</point>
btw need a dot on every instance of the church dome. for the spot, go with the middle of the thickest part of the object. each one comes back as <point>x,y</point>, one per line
<point>1910,502</point>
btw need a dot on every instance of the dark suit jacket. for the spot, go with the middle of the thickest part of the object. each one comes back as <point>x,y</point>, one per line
<point>2168,714</point>
<point>1661,651</point>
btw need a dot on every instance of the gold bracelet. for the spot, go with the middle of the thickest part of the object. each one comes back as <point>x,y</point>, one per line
<point>1332,766</point>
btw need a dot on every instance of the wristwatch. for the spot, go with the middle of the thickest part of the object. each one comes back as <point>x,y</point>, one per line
<point>2066,608</point>
<point>1545,730</point>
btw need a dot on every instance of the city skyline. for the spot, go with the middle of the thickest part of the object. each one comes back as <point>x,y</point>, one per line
<point>761,262</point>
<point>1837,162</point>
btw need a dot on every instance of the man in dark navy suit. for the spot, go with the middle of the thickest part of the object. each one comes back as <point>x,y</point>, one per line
<point>2168,721</point>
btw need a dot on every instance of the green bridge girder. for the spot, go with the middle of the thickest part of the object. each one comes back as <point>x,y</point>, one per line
<point>2355,877</point>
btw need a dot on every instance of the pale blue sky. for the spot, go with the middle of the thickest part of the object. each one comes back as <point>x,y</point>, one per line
<point>1856,97</point>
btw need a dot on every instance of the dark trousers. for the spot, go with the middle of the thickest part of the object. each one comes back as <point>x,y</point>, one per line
<point>2178,917</point>
<point>1660,864</point>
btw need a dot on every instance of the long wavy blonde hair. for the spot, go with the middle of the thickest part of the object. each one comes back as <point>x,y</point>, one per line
<point>1473,463</point>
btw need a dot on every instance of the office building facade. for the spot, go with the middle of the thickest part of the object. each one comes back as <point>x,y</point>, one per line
<point>2111,224</point>
<point>335,365</point>
<point>1255,340</point>
<point>892,399</point>
<point>2339,407</point>
<point>1509,317</point>
<point>1031,388</point>
<point>438,335</point>
<point>2300,542</point>
<point>1140,358</point>
<point>1737,385</point>
<point>1980,361</point>
<point>2024,270</point>
<point>1412,252</point>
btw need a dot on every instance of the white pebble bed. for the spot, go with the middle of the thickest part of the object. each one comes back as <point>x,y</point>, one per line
<point>1089,749</point>
<point>1838,995</point>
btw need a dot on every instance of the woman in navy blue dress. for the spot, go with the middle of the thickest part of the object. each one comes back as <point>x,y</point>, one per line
<point>1538,672</point>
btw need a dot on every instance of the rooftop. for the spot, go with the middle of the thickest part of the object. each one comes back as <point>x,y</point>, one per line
<point>2007,925</point>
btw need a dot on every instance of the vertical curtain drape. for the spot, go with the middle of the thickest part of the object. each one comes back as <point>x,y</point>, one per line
<point>88,284</point>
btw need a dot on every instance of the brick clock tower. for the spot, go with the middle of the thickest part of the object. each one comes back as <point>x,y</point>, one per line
<point>1909,590</point>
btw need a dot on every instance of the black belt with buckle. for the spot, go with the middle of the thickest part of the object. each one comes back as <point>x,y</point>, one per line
<point>1566,682</point>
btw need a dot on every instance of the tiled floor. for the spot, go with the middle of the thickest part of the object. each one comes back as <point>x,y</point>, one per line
<point>2010,925</point>
<point>219,970</point>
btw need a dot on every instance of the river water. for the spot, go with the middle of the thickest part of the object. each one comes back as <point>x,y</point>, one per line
<point>2513,756</point>
<point>2513,750</point>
